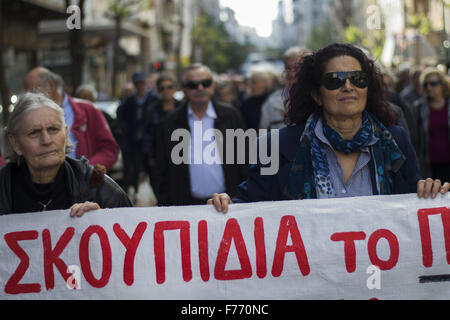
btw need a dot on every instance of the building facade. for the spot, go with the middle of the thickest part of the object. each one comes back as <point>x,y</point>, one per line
<point>20,43</point>
<point>297,19</point>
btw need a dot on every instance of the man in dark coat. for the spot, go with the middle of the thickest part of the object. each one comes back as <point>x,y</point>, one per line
<point>133,115</point>
<point>184,175</point>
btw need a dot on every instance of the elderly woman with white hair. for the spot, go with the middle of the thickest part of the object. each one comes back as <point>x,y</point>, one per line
<point>39,176</point>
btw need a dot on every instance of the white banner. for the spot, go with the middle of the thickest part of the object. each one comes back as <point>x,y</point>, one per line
<point>380,247</point>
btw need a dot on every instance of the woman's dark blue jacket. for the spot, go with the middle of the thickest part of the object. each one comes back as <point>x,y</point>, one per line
<point>259,187</point>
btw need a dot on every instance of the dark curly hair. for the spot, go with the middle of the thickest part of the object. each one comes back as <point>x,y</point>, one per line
<point>300,104</point>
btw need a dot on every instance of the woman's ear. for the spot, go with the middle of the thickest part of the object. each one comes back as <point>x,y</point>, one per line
<point>316,97</point>
<point>15,144</point>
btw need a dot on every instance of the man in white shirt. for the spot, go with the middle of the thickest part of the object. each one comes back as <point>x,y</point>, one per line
<point>194,180</point>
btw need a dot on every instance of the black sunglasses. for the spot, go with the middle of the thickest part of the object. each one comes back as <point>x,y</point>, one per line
<point>431,83</point>
<point>195,84</point>
<point>335,80</point>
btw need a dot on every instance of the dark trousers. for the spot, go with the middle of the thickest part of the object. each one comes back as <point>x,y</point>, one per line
<point>132,166</point>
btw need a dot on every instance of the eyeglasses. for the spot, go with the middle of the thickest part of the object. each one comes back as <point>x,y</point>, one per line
<point>169,87</point>
<point>336,80</point>
<point>195,84</point>
<point>431,83</point>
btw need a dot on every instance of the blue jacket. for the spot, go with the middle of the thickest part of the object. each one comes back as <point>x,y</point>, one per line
<point>259,187</point>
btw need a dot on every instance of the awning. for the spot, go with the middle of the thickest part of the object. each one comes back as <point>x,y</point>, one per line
<point>106,30</point>
<point>33,9</point>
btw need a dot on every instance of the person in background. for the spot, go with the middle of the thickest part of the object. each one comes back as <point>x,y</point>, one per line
<point>340,141</point>
<point>127,91</point>
<point>400,108</point>
<point>402,112</point>
<point>88,130</point>
<point>403,78</point>
<point>191,182</point>
<point>388,79</point>
<point>260,89</point>
<point>226,93</point>
<point>432,124</point>
<point>2,160</point>
<point>166,86</point>
<point>273,109</point>
<point>86,92</point>
<point>413,91</point>
<point>39,175</point>
<point>133,115</point>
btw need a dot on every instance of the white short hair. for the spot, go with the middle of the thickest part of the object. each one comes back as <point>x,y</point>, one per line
<point>28,102</point>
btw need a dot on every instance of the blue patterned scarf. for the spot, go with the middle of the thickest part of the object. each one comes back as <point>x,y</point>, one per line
<point>310,178</point>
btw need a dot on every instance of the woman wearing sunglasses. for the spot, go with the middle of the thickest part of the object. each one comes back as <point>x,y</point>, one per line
<point>340,141</point>
<point>166,86</point>
<point>433,123</point>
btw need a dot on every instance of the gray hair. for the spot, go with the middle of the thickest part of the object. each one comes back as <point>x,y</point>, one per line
<point>195,66</point>
<point>89,88</point>
<point>47,76</point>
<point>296,51</point>
<point>28,102</point>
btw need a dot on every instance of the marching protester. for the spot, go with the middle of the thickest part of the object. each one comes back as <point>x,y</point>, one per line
<point>226,93</point>
<point>86,92</point>
<point>413,91</point>
<point>132,115</point>
<point>433,125</point>
<point>273,109</point>
<point>260,85</point>
<point>341,141</point>
<point>88,130</point>
<point>39,175</point>
<point>192,181</point>
<point>127,91</point>
<point>166,86</point>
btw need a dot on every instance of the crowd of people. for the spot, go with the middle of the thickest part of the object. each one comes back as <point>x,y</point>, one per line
<point>346,128</point>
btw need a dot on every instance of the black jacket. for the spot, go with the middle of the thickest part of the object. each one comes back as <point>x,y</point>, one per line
<point>171,181</point>
<point>131,124</point>
<point>85,184</point>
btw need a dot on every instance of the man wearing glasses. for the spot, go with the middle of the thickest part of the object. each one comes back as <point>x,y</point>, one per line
<point>203,172</point>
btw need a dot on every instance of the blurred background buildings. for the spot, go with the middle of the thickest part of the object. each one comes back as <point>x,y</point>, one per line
<point>119,37</point>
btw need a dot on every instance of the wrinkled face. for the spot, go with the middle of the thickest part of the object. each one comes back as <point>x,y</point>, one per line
<point>196,87</point>
<point>347,101</point>
<point>166,90</point>
<point>41,139</point>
